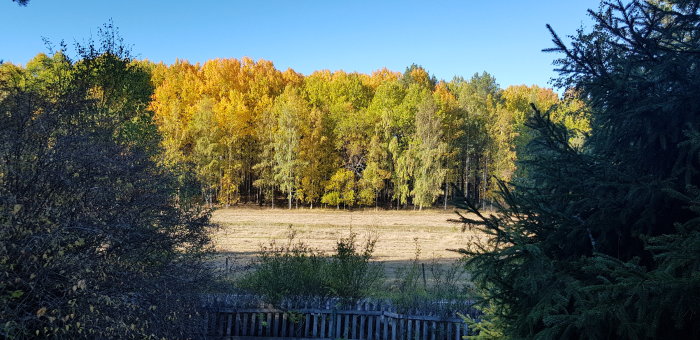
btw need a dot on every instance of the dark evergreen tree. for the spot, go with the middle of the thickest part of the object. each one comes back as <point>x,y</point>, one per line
<point>603,240</point>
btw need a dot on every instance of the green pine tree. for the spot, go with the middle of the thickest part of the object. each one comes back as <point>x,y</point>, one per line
<point>603,242</point>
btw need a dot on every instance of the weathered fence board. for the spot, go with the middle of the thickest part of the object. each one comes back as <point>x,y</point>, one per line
<point>327,323</point>
<point>369,320</point>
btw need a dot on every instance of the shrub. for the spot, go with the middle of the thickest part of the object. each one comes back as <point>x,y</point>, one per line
<point>290,269</point>
<point>349,273</point>
<point>295,269</point>
<point>93,244</point>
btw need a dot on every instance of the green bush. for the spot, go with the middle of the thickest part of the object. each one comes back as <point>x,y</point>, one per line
<point>93,244</point>
<point>349,273</point>
<point>295,269</point>
<point>285,270</point>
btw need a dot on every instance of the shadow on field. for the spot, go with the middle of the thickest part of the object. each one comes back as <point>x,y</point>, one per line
<point>233,265</point>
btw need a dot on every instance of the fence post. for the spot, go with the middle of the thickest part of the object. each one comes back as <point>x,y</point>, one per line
<point>334,313</point>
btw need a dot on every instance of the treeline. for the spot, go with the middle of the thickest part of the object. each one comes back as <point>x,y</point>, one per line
<point>252,133</point>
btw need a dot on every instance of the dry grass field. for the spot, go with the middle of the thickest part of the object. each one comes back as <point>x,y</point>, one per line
<point>242,231</point>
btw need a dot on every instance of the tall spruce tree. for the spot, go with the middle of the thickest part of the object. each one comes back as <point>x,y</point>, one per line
<point>604,241</point>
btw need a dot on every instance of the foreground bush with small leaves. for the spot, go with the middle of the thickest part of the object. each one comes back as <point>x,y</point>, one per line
<point>94,242</point>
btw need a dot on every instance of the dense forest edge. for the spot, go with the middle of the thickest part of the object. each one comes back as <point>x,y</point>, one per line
<point>251,133</point>
<point>110,165</point>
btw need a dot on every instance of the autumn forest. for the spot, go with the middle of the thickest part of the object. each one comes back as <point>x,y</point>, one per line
<point>252,133</point>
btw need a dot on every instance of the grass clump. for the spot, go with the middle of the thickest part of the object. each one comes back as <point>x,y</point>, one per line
<point>431,286</point>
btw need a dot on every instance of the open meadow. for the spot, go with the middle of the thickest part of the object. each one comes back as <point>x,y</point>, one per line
<point>400,234</point>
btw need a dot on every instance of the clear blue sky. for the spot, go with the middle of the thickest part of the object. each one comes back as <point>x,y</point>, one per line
<point>448,38</point>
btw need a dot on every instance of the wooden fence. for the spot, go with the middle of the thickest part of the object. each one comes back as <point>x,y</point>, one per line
<point>364,320</point>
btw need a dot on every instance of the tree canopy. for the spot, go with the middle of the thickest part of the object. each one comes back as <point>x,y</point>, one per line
<point>252,132</point>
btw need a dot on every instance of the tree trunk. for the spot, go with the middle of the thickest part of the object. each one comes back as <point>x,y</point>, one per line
<point>466,177</point>
<point>477,184</point>
<point>290,199</point>
<point>483,196</point>
<point>249,184</point>
<point>445,192</point>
